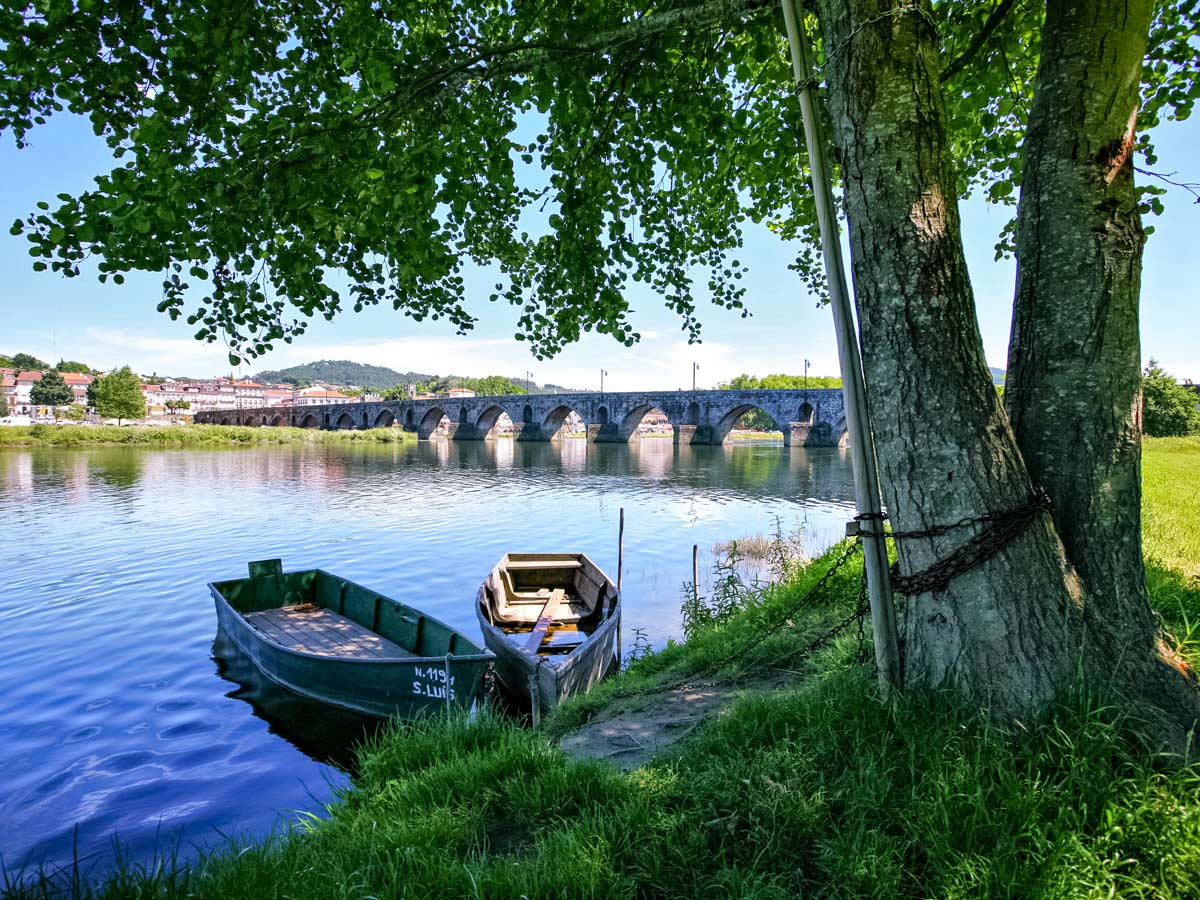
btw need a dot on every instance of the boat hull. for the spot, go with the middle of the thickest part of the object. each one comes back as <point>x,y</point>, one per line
<point>524,673</point>
<point>382,688</point>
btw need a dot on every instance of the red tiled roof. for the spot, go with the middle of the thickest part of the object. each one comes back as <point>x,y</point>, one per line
<point>76,378</point>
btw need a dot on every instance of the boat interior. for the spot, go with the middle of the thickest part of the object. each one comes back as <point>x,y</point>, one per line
<point>314,612</point>
<point>556,599</point>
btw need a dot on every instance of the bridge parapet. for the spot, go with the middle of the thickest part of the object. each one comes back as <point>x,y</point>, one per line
<point>808,418</point>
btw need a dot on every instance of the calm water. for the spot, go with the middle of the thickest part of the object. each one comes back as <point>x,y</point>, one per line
<point>115,717</point>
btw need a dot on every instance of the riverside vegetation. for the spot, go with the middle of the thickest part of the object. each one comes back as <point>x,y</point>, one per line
<point>188,436</point>
<point>819,789</point>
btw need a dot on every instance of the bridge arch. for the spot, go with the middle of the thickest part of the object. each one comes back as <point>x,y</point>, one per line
<point>727,422</point>
<point>555,422</point>
<point>409,421</point>
<point>805,416</point>
<point>485,425</point>
<point>385,419</point>
<point>279,421</point>
<point>430,422</point>
<point>462,415</point>
<point>225,420</point>
<point>634,418</point>
<point>527,414</point>
<point>691,415</point>
<point>345,422</point>
<point>602,416</point>
<point>310,420</point>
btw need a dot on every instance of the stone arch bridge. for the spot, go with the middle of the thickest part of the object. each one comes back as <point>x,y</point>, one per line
<point>813,418</point>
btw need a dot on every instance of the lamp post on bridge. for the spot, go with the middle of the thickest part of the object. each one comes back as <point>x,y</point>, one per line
<point>603,372</point>
<point>695,366</point>
<point>806,374</point>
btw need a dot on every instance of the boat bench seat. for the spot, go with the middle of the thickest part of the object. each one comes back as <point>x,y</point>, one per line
<point>543,564</point>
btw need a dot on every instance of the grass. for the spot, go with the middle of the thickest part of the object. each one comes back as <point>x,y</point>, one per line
<point>822,790</point>
<point>1171,504</point>
<point>188,436</point>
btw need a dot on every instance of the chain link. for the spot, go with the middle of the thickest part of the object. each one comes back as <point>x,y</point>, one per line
<point>1001,529</point>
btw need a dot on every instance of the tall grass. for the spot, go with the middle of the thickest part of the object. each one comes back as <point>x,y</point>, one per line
<point>823,790</point>
<point>188,436</point>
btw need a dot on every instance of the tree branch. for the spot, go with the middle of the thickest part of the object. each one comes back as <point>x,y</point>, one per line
<point>535,53</point>
<point>1003,8</point>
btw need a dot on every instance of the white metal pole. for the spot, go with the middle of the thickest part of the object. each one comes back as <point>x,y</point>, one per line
<point>858,423</point>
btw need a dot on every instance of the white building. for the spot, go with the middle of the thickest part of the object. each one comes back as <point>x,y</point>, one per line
<point>317,396</point>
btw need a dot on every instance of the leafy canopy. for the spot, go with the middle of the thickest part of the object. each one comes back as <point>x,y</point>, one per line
<point>118,395</point>
<point>51,390</point>
<point>23,362</point>
<point>69,365</point>
<point>1169,409</point>
<point>279,161</point>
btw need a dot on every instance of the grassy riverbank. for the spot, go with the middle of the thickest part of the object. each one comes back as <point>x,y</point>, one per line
<point>819,790</point>
<point>188,436</point>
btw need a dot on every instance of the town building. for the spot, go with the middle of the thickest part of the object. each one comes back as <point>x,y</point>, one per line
<point>318,395</point>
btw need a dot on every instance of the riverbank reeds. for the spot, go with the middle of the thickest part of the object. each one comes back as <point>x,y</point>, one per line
<point>188,436</point>
<point>821,789</point>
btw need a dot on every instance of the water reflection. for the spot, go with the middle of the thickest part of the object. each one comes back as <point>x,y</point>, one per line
<point>114,716</point>
<point>322,733</point>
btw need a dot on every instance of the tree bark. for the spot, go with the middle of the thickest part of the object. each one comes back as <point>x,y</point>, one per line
<point>1012,634</point>
<point>1004,632</point>
<point>1074,371</point>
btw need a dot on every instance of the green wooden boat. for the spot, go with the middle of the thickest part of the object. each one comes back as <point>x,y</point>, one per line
<point>336,642</point>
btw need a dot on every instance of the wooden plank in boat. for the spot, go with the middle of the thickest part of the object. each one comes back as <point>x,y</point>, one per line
<point>545,620</point>
<point>544,564</point>
<point>315,629</point>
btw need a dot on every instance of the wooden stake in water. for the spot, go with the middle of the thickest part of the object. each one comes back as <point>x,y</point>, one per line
<point>620,548</point>
<point>696,574</point>
<point>620,567</point>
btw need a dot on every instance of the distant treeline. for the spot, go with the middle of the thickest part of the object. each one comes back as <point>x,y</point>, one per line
<point>488,386</point>
<point>27,362</point>
<point>757,419</point>
<point>781,382</point>
<point>340,373</point>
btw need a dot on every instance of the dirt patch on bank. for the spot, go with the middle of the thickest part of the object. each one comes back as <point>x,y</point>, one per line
<point>632,730</point>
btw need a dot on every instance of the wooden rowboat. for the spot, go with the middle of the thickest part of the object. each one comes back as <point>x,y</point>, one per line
<point>553,621</point>
<point>336,642</point>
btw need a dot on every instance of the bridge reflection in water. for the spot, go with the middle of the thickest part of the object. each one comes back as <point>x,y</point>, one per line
<point>813,418</point>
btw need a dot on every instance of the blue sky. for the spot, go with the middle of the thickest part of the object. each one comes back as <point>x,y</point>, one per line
<point>110,325</point>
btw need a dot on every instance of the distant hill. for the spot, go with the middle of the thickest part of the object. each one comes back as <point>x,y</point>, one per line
<point>341,373</point>
<point>997,374</point>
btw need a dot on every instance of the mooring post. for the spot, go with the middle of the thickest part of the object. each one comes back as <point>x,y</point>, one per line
<point>858,423</point>
<point>620,549</point>
<point>620,567</point>
<point>696,574</point>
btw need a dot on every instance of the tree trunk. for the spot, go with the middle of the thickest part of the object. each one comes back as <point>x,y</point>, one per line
<point>1011,633</point>
<point>1074,381</point>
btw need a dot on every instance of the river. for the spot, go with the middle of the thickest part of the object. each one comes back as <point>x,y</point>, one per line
<point>117,721</point>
